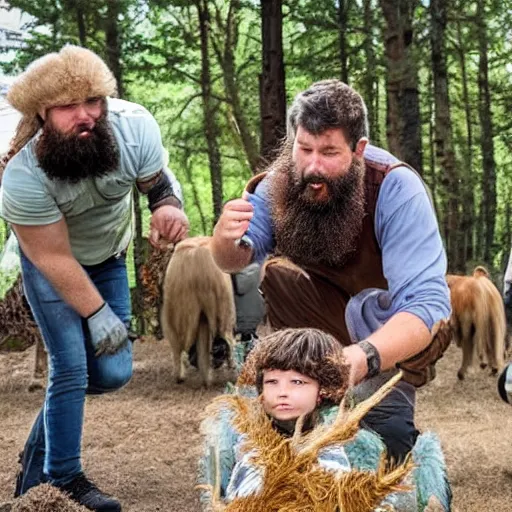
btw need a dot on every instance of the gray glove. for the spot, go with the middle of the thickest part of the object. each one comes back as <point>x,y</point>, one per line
<point>108,333</point>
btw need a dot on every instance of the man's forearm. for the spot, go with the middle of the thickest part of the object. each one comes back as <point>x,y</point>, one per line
<point>48,248</point>
<point>70,281</point>
<point>402,337</point>
<point>228,256</point>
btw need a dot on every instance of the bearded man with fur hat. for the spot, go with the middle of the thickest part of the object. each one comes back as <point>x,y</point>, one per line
<point>355,250</point>
<point>66,189</point>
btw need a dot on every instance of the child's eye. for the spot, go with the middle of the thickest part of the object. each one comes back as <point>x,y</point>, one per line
<point>298,382</point>
<point>270,381</point>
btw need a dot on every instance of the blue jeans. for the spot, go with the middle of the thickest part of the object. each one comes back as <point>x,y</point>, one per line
<point>52,451</point>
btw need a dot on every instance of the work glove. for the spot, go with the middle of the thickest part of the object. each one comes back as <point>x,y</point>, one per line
<point>108,333</point>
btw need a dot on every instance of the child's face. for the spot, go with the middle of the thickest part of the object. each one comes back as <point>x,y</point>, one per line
<point>288,394</point>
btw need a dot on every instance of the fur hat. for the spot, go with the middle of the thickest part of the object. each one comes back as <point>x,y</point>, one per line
<point>308,351</point>
<point>72,75</point>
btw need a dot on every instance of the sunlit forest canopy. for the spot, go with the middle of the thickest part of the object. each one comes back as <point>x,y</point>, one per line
<point>218,74</point>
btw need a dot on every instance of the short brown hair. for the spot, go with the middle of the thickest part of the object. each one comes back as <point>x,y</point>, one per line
<point>329,104</point>
<point>310,352</point>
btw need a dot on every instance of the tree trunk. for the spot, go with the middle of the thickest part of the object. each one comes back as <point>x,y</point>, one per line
<point>467,223</point>
<point>507,235</point>
<point>80,21</point>
<point>370,76</point>
<point>139,256</point>
<point>432,179</point>
<point>195,193</point>
<point>342,23</point>
<point>272,80</point>
<point>113,43</point>
<point>486,140</point>
<point>375,130</point>
<point>227,62</point>
<point>404,122</point>
<point>209,111</point>
<point>443,137</point>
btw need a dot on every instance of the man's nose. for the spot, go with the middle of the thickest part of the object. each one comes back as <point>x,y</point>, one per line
<point>316,164</point>
<point>82,114</point>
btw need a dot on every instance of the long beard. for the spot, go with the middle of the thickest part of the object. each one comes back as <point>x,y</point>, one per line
<point>310,231</point>
<point>71,159</point>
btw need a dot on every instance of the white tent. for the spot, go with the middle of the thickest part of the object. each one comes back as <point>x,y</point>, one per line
<point>9,258</point>
<point>9,119</point>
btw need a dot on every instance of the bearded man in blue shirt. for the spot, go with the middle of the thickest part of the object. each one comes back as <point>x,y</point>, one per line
<point>355,250</point>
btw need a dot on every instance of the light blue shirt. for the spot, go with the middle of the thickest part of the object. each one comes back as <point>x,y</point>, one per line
<point>413,256</point>
<point>98,211</point>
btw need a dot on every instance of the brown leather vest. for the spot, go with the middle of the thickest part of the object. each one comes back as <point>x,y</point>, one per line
<point>364,269</point>
<point>318,299</point>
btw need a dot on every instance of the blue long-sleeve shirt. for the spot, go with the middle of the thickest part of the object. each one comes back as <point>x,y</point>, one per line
<point>413,257</point>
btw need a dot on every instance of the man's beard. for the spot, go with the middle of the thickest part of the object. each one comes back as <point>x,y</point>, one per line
<point>71,158</point>
<point>313,231</point>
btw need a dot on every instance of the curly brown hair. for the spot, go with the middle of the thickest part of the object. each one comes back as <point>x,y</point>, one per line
<point>329,104</point>
<point>311,352</point>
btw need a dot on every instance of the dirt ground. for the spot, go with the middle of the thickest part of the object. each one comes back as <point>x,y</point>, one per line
<point>142,443</point>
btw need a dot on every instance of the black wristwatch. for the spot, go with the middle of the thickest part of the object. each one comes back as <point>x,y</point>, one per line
<point>372,358</point>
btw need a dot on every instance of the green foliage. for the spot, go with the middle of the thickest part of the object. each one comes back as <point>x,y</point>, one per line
<point>7,279</point>
<point>161,65</point>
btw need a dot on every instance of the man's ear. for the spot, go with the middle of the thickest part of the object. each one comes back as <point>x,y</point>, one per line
<point>360,147</point>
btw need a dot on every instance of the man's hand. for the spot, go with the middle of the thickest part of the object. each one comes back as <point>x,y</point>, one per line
<point>234,220</point>
<point>169,223</point>
<point>108,333</point>
<point>356,358</point>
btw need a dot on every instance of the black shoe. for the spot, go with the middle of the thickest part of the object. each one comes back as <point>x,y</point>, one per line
<point>84,492</point>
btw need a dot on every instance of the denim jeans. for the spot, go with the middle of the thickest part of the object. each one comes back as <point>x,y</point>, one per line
<point>52,451</point>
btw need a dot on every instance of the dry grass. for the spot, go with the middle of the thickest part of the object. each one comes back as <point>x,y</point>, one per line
<point>142,443</point>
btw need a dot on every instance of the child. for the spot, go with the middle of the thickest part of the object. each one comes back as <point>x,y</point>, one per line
<point>289,449</point>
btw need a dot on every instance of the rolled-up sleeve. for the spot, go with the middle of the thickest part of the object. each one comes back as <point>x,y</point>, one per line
<point>260,230</point>
<point>413,256</point>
